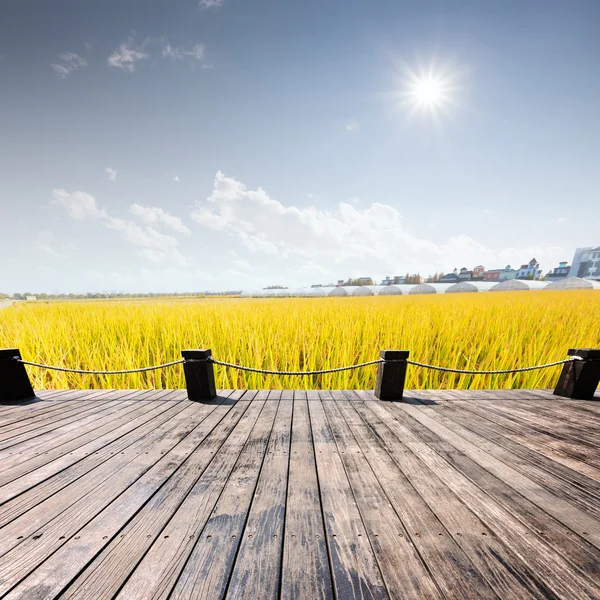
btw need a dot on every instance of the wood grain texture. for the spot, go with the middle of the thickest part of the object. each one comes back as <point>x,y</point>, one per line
<point>354,567</point>
<point>293,495</point>
<point>305,571</point>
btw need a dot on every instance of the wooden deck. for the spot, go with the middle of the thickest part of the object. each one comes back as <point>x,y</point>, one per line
<point>270,494</point>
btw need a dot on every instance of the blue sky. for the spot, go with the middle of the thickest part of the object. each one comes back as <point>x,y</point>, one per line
<point>181,145</point>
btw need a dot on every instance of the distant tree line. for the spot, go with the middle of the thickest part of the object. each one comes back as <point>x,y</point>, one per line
<point>91,295</point>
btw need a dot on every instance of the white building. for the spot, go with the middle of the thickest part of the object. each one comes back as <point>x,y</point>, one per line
<point>586,263</point>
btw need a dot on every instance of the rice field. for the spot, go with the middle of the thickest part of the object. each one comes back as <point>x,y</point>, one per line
<point>471,331</point>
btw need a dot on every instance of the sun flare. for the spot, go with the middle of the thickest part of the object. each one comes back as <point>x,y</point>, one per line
<point>428,92</point>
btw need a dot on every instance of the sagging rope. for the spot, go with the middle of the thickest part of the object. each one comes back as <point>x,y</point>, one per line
<point>300,373</point>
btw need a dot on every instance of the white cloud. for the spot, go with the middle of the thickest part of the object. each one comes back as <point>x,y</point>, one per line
<point>176,178</point>
<point>127,54</point>
<point>69,62</point>
<point>177,53</point>
<point>154,245</point>
<point>353,126</point>
<point>110,173</point>
<point>157,216</point>
<point>211,3</point>
<point>79,205</point>
<point>342,238</point>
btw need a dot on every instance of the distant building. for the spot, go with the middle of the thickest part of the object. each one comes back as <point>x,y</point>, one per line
<point>364,281</point>
<point>316,285</point>
<point>30,298</point>
<point>449,278</point>
<point>340,282</point>
<point>529,271</point>
<point>478,273</point>
<point>399,279</point>
<point>464,274</point>
<point>387,281</point>
<point>500,274</point>
<point>559,272</point>
<point>586,263</point>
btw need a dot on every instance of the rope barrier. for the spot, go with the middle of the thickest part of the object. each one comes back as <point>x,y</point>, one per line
<point>85,372</point>
<point>497,372</point>
<point>317,372</point>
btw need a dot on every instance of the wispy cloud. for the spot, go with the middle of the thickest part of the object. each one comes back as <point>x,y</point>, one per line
<point>176,178</point>
<point>127,54</point>
<point>157,216</point>
<point>352,126</point>
<point>196,52</point>
<point>110,173</point>
<point>80,206</point>
<point>48,243</point>
<point>211,3</point>
<point>153,245</point>
<point>68,62</point>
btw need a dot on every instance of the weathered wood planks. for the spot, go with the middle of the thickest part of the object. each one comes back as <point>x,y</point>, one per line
<point>293,495</point>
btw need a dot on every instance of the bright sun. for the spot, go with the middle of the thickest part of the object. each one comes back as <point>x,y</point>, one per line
<point>428,92</point>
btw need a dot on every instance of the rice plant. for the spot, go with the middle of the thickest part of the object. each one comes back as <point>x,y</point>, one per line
<point>470,331</point>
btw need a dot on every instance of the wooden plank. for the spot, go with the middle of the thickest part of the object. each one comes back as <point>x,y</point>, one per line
<point>23,458</point>
<point>574,506</point>
<point>353,564</point>
<point>562,539</point>
<point>119,556</point>
<point>33,430</point>
<point>564,427</point>
<point>45,412</point>
<point>43,439</point>
<point>257,568</point>
<point>305,572</point>
<point>576,408</point>
<point>61,440</point>
<point>45,399</point>
<point>404,573</point>
<point>463,554</point>
<point>48,499</point>
<point>557,453</point>
<point>563,578</point>
<point>157,573</point>
<point>52,522</point>
<point>83,459</point>
<point>157,493</point>
<point>208,568</point>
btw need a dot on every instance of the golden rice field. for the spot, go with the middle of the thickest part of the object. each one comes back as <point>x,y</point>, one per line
<point>473,331</point>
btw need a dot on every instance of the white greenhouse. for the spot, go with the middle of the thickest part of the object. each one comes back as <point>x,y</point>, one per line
<point>390,290</point>
<point>319,292</point>
<point>574,283</point>
<point>515,285</point>
<point>430,288</point>
<point>470,286</point>
<point>343,290</point>
<point>363,290</point>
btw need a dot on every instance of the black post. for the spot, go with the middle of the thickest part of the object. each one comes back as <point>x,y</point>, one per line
<point>199,375</point>
<point>579,378</point>
<point>391,375</point>
<point>14,381</point>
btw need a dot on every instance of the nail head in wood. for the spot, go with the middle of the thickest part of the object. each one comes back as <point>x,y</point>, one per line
<point>199,374</point>
<point>391,375</point>
<point>14,381</point>
<point>579,379</point>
